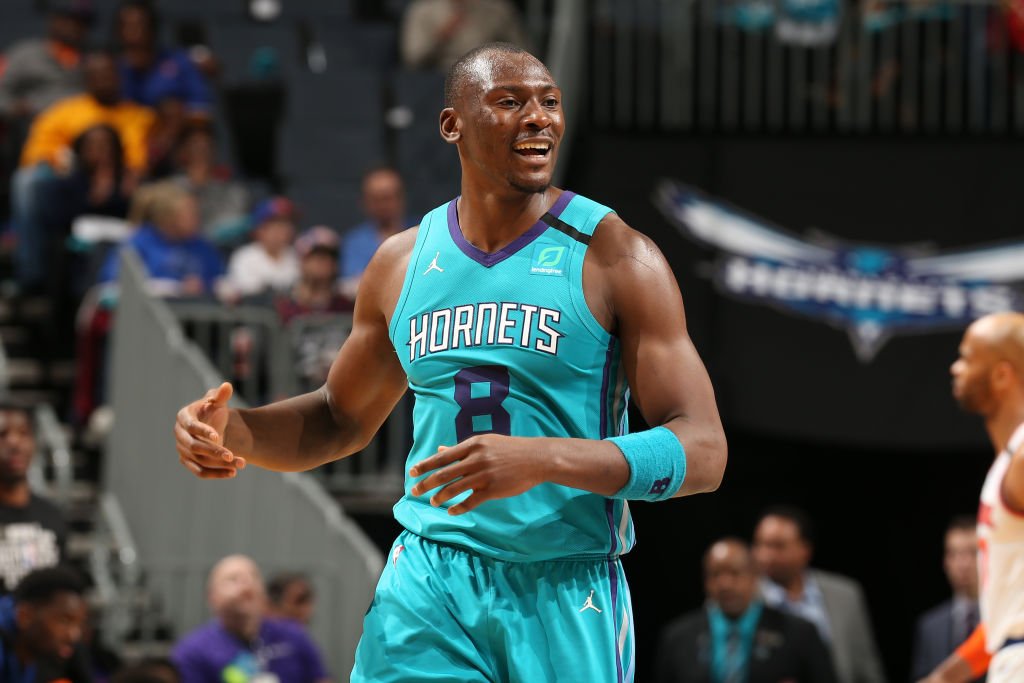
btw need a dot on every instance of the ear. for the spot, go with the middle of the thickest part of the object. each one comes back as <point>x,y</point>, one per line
<point>451,126</point>
<point>1002,375</point>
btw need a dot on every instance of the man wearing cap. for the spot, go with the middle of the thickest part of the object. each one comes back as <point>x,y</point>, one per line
<point>316,293</point>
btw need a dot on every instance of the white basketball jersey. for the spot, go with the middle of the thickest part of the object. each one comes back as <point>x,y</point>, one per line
<point>1001,555</point>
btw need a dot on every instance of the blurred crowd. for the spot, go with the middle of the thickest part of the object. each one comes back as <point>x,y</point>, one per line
<point>118,147</point>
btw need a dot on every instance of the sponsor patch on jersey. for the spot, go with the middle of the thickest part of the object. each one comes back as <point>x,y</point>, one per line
<point>548,259</point>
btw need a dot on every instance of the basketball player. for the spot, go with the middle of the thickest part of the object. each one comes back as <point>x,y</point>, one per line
<point>988,379</point>
<point>520,315</point>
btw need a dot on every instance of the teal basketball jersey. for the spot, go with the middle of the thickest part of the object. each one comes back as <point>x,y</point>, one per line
<point>505,343</point>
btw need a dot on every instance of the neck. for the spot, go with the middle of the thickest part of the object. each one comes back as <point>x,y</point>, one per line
<point>967,594</point>
<point>313,294</point>
<point>1004,422</point>
<point>795,587</point>
<point>139,56</point>
<point>243,627</point>
<point>490,221</point>
<point>198,174</point>
<point>15,494</point>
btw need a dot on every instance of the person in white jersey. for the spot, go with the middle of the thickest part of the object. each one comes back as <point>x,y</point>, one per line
<point>988,379</point>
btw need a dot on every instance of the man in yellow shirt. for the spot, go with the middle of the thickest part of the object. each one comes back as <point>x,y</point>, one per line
<point>47,153</point>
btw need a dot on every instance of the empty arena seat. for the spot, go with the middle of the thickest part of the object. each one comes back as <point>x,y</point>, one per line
<point>334,204</point>
<point>250,51</point>
<point>340,96</point>
<point>422,157</point>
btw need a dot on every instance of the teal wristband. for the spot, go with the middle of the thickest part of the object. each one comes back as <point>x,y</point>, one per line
<point>657,464</point>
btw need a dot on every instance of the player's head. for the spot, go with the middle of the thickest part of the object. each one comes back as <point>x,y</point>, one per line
<point>989,371</point>
<point>730,578</point>
<point>960,559</point>
<point>17,442</point>
<point>783,542</point>
<point>236,593</point>
<point>51,612</point>
<point>504,112</point>
<point>291,596</point>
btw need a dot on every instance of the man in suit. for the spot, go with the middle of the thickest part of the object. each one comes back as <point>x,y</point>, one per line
<point>735,637</point>
<point>783,544</point>
<point>941,629</point>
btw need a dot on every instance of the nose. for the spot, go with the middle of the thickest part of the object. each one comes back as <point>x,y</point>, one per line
<point>536,117</point>
<point>954,368</point>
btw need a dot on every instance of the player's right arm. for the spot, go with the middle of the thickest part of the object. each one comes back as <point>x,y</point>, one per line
<point>968,662</point>
<point>365,382</point>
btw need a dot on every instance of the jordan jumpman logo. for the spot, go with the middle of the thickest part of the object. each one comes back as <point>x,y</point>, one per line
<point>434,266</point>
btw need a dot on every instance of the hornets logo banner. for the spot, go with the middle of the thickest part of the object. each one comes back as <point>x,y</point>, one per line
<point>871,291</point>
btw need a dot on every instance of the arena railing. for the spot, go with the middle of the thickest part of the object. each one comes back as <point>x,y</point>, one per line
<point>270,361</point>
<point>942,67</point>
<point>180,525</point>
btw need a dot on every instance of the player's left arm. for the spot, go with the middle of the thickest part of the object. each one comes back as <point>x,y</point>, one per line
<point>1013,483</point>
<point>633,292</point>
<point>667,378</point>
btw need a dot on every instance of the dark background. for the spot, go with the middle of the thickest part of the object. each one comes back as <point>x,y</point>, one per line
<point>877,453</point>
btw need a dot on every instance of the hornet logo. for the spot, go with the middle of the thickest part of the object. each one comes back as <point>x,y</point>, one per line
<point>872,292</point>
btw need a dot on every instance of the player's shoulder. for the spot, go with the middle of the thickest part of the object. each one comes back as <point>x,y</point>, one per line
<point>615,240</point>
<point>837,584</point>
<point>396,250</point>
<point>382,280</point>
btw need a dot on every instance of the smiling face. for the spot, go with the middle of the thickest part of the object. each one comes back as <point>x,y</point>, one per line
<point>506,118</point>
<point>17,445</point>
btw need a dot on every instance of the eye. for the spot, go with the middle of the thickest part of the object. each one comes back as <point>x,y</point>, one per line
<point>551,102</point>
<point>507,102</point>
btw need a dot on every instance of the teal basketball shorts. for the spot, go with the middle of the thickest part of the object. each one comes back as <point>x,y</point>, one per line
<point>444,613</point>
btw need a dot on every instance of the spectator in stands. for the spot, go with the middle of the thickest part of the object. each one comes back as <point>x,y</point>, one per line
<point>178,260</point>
<point>291,597</point>
<point>735,636</point>
<point>48,153</point>
<point>268,263</point>
<point>93,186</point>
<point>151,74</point>
<point>37,72</point>
<point>942,629</point>
<point>242,643</point>
<point>316,292</point>
<point>383,202</point>
<point>435,33</point>
<point>783,544</point>
<point>41,628</point>
<point>33,533</point>
<point>223,202</point>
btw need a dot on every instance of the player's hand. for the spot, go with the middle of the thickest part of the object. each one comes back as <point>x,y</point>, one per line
<point>493,466</point>
<point>199,436</point>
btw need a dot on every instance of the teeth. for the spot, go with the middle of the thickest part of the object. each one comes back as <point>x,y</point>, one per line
<point>533,145</point>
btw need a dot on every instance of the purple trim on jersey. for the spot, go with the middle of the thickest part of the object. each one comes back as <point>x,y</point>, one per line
<point>487,259</point>
<point>613,576</point>
<point>605,377</point>
<point>609,508</point>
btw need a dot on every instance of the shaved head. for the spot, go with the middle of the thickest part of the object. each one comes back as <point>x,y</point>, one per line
<point>475,68</point>
<point>1003,335</point>
<point>989,373</point>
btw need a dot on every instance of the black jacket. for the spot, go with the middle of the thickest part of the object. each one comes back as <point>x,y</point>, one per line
<point>787,649</point>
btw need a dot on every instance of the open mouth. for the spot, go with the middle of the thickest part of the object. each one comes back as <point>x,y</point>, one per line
<point>534,149</point>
